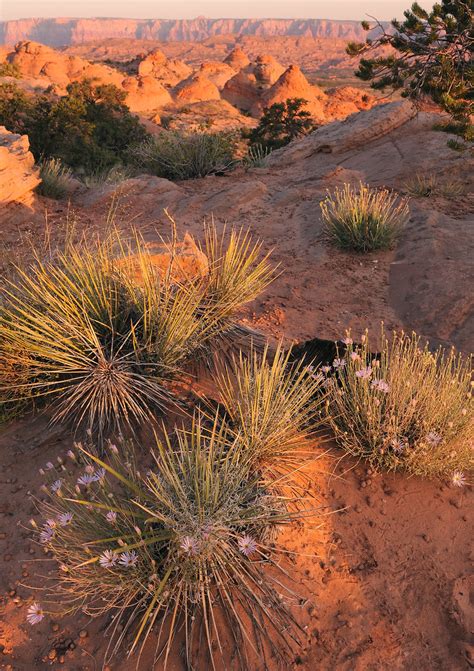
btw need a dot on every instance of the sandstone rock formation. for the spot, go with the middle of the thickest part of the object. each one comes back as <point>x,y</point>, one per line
<point>58,32</point>
<point>237,59</point>
<point>242,91</point>
<point>266,69</point>
<point>218,73</point>
<point>36,60</point>
<point>293,84</point>
<point>18,175</point>
<point>168,71</point>
<point>145,93</point>
<point>196,88</point>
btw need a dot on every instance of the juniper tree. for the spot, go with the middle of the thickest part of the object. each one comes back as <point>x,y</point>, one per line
<point>432,57</point>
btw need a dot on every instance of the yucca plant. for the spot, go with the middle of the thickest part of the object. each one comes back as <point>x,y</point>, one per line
<point>183,545</point>
<point>55,178</point>
<point>407,409</point>
<point>256,156</point>
<point>274,407</point>
<point>363,219</point>
<point>100,331</point>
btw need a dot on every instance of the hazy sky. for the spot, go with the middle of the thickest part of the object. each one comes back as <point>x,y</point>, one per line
<point>180,9</point>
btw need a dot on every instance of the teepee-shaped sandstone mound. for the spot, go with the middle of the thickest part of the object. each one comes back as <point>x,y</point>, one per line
<point>293,84</point>
<point>267,70</point>
<point>196,88</point>
<point>218,73</point>
<point>168,71</point>
<point>237,59</point>
<point>145,93</point>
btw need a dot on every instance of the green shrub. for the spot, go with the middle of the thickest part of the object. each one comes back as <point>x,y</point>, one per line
<point>256,156</point>
<point>410,409</point>
<point>363,219</point>
<point>281,123</point>
<point>178,155</point>
<point>10,70</point>
<point>182,545</point>
<point>100,332</point>
<point>55,179</point>
<point>89,129</point>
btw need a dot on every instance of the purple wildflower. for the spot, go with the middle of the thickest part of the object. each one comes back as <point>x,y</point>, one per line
<point>247,545</point>
<point>458,479</point>
<point>381,385</point>
<point>108,559</point>
<point>190,545</point>
<point>65,518</point>
<point>128,558</point>
<point>364,373</point>
<point>56,486</point>
<point>111,516</point>
<point>34,613</point>
<point>338,363</point>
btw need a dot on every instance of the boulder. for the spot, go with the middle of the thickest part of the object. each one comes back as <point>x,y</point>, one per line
<point>18,175</point>
<point>168,71</point>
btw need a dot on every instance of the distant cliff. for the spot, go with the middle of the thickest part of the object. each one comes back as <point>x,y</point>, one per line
<point>62,32</point>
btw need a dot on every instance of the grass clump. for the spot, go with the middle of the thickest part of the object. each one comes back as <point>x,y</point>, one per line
<point>407,409</point>
<point>363,219</point>
<point>100,332</point>
<point>256,156</point>
<point>179,549</point>
<point>55,179</point>
<point>424,186</point>
<point>178,155</point>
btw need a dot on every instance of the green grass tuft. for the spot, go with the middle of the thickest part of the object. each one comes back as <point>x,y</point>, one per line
<point>363,219</point>
<point>55,179</point>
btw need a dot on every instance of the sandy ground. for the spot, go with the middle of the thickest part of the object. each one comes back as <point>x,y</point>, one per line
<point>385,579</point>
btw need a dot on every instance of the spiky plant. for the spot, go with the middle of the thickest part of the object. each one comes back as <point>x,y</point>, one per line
<point>98,346</point>
<point>424,186</point>
<point>238,273</point>
<point>183,545</point>
<point>363,219</point>
<point>274,406</point>
<point>408,409</point>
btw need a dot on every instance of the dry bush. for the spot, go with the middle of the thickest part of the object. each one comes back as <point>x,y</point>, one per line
<point>424,186</point>
<point>409,409</point>
<point>363,219</point>
<point>55,179</point>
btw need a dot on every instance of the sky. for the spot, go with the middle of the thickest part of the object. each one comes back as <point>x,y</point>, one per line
<point>184,9</point>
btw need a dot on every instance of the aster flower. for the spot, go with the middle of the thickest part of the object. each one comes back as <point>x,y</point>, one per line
<point>99,474</point>
<point>338,363</point>
<point>381,385</point>
<point>34,613</point>
<point>86,479</point>
<point>354,356</point>
<point>433,438</point>
<point>399,445</point>
<point>458,479</point>
<point>49,466</point>
<point>108,559</point>
<point>46,533</point>
<point>65,518</point>
<point>56,486</point>
<point>347,341</point>
<point>111,516</point>
<point>128,558</point>
<point>364,373</point>
<point>247,545</point>
<point>190,545</point>
<point>326,369</point>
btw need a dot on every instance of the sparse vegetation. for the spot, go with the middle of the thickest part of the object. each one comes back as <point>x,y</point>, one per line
<point>179,155</point>
<point>10,70</point>
<point>281,123</point>
<point>433,57</point>
<point>424,186</point>
<point>407,409</point>
<point>363,219</point>
<point>256,156</point>
<point>55,179</point>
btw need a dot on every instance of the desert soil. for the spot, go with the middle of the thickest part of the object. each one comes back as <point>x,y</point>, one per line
<point>384,580</point>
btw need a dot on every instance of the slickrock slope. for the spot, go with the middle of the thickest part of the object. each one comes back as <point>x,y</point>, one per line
<point>59,32</point>
<point>18,175</point>
<point>146,93</point>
